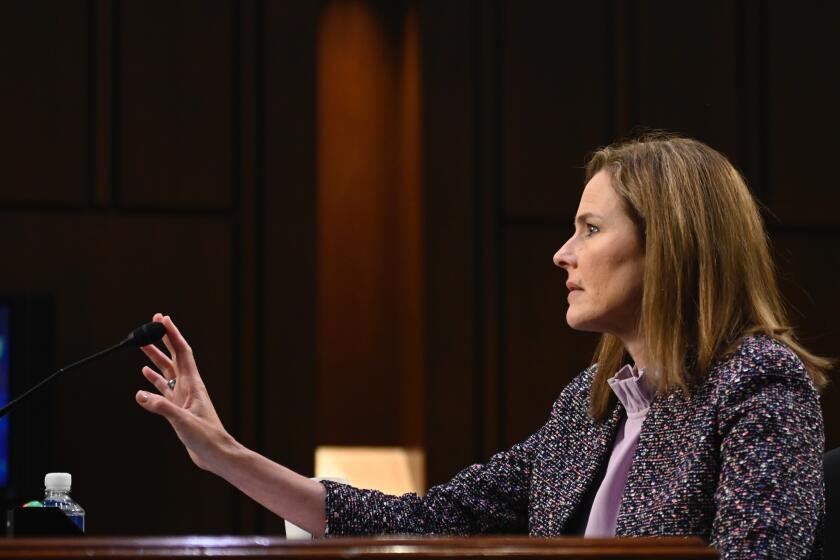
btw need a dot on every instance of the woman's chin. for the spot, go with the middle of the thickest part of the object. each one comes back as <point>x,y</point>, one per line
<point>579,323</point>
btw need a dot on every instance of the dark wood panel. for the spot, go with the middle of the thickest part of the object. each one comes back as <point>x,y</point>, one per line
<point>452,379</point>
<point>44,102</point>
<point>808,265</point>
<point>106,275</point>
<point>542,352</point>
<point>686,70</point>
<point>803,116</point>
<point>487,190</point>
<point>175,106</point>
<point>287,171</point>
<point>248,231</point>
<point>556,101</point>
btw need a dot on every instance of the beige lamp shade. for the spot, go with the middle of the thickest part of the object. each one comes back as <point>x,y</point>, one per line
<point>392,470</point>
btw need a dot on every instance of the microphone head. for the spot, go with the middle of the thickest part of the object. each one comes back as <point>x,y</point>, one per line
<point>145,335</point>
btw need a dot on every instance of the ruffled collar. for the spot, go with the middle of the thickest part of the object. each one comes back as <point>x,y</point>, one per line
<point>631,387</point>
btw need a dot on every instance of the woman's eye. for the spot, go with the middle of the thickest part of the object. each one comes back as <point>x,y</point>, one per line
<point>590,229</point>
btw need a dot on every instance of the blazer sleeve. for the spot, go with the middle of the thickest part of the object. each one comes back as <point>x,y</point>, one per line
<point>770,498</point>
<point>488,498</point>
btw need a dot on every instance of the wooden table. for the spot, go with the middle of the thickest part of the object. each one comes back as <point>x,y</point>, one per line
<point>430,548</point>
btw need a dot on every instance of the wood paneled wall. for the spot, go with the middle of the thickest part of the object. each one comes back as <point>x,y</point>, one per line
<point>165,156</point>
<point>143,170</point>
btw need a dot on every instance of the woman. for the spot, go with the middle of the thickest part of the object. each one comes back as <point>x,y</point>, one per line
<point>714,430</point>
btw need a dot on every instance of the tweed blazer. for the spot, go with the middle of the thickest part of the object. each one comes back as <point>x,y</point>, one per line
<point>737,461</point>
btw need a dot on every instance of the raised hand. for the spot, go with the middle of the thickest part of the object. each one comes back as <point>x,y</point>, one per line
<point>183,398</point>
<point>184,402</point>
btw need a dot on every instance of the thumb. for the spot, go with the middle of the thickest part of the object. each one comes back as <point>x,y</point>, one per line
<point>159,405</point>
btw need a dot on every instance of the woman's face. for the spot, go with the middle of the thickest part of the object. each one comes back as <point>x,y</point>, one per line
<point>605,262</point>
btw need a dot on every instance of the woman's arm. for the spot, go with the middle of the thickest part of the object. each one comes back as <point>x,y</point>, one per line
<point>487,498</point>
<point>490,498</point>
<point>189,410</point>
<point>284,492</point>
<point>770,499</point>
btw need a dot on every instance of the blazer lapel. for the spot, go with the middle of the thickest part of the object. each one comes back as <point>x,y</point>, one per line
<point>569,467</point>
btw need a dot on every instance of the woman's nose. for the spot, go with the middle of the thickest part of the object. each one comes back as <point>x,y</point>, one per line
<point>565,256</point>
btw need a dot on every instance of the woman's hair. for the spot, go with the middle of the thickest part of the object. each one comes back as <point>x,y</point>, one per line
<point>709,277</point>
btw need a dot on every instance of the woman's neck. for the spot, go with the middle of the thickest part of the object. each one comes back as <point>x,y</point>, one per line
<point>635,346</point>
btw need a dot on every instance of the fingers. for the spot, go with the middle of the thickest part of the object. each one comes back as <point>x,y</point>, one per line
<point>180,362</point>
<point>161,360</point>
<point>161,406</point>
<point>157,380</point>
<point>177,343</point>
<point>158,318</point>
<point>173,339</point>
<point>180,420</point>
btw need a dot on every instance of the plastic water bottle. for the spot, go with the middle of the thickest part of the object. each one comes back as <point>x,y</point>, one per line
<point>57,494</point>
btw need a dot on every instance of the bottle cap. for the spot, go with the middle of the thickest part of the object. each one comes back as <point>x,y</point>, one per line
<point>59,481</point>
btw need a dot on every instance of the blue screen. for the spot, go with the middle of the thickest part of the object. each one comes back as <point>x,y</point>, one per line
<point>4,392</point>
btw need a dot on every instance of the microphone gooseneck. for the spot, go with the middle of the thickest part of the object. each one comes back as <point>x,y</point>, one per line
<point>141,336</point>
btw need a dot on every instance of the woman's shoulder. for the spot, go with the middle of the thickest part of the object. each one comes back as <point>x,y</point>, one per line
<point>577,393</point>
<point>755,357</point>
<point>582,382</point>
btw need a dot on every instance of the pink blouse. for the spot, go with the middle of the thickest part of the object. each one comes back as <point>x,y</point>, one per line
<point>630,387</point>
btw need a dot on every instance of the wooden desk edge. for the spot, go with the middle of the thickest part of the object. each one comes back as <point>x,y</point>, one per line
<point>356,547</point>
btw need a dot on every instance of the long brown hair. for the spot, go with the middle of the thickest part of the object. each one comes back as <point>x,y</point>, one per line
<point>709,276</point>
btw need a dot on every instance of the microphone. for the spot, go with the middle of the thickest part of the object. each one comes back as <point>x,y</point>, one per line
<point>144,335</point>
<point>141,336</point>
